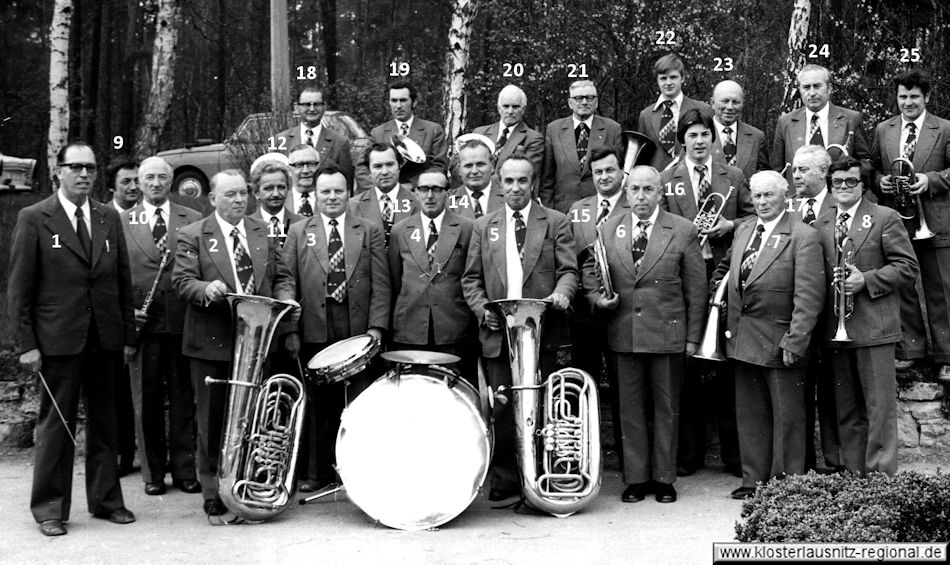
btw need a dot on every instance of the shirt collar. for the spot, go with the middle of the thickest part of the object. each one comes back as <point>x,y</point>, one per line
<point>677,102</point>
<point>770,225</point>
<point>720,126</point>
<point>438,221</point>
<point>150,209</point>
<point>651,219</point>
<point>267,215</point>
<point>692,164</point>
<point>612,199</point>
<point>502,126</point>
<point>822,114</point>
<point>70,208</point>
<point>589,121</point>
<point>407,122</point>
<point>850,211</point>
<point>326,220</point>
<point>393,193</point>
<point>525,212</point>
<point>919,122</point>
<point>227,226</point>
<point>485,191</point>
<point>316,132</point>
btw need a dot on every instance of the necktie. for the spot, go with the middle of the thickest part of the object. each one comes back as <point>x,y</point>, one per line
<point>502,140</point>
<point>604,212</point>
<point>83,233</point>
<point>305,209</point>
<point>810,213</point>
<point>729,146</point>
<point>337,276</point>
<point>668,129</point>
<point>750,255</point>
<point>581,136</point>
<point>276,231</point>
<point>433,240</point>
<point>245,269</point>
<point>386,209</point>
<point>404,129</point>
<point>816,137</point>
<point>911,144</point>
<point>841,229</point>
<point>703,184</point>
<point>477,196</point>
<point>640,242</point>
<point>160,231</point>
<point>309,133</point>
<point>520,231</point>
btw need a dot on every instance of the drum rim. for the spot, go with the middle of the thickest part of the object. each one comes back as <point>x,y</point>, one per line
<point>353,359</point>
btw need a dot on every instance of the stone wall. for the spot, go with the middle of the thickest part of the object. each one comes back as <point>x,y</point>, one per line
<point>922,417</point>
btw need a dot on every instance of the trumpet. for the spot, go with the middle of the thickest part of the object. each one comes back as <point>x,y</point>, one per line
<point>599,251</point>
<point>908,205</point>
<point>844,302</point>
<point>709,346</point>
<point>709,213</point>
<point>841,150</point>
<point>150,297</point>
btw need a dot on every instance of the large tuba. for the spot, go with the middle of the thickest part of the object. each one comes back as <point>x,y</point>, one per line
<point>709,346</point>
<point>263,422</point>
<point>636,142</point>
<point>557,422</point>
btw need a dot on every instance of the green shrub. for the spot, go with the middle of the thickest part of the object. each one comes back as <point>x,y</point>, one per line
<point>908,507</point>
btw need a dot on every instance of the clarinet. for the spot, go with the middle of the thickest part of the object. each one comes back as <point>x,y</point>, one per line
<point>151,292</point>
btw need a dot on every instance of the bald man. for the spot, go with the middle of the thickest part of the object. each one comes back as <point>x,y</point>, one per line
<point>736,142</point>
<point>510,132</point>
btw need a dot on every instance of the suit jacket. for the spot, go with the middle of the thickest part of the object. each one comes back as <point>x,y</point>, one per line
<point>460,203</point>
<point>663,303</point>
<point>303,268</point>
<point>549,265</point>
<point>721,176</point>
<point>884,255</point>
<point>203,258</point>
<point>330,145</point>
<point>531,142</point>
<point>290,218</point>
<point>422,292</point>
<point>783,296</point>
<point>649,125</point>
<point>583,216</point>
<point>366,205</point>
<point>166,314</point>
<point>931,157</point>
<point>55,292</point>
<point>429,135</point>
<point>791,133</point>
<point>564,179</point>
<point>752,152</point>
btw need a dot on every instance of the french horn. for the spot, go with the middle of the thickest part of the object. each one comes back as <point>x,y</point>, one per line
<point>908,205</point>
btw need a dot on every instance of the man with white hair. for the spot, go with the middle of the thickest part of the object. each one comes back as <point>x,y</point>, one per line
<point>736,143</point>
<point>510,132</point>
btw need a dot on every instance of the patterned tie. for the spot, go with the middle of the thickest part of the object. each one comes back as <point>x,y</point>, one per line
<point>276,231</point>
<point>816,137</point>
<point>729,146</point>
<point>309,133</point>
<point>305,208</point>
<point>640,243</point>
<point>520,231</point>
<point>703,184</point>
<point>750,255</point>
<point>841,229</point>
<point>83,233</point>
<point>668,129</point>
<point>581,136</point>
<point>386,212</point>
<point>335,287</point>
<point>404,129</point>
<point>810,213</point>
<point>604,212</point>
<point>160,231</point>
<point>477,196</point>
<point>245,269</point>
<point>502,140</point>
<point>911,144</point>
<point>431,243</point>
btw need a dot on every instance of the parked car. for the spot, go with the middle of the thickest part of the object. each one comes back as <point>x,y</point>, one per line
<point>195,164</point>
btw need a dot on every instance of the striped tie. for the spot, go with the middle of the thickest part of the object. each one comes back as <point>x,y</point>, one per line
<point>431,243</point>
<point>520,231</point>
<point>668,129</point>
<point>160,231</point>
<point>242,261</point>
<point>815,135</point>
<point>703,184</point>
<point>841,229</point>
<point>750,255</point>
<point>729,146</point>
<point>336,289</point>
<point>911,144</point>
<point>604,212</point>
<point>640,243</point>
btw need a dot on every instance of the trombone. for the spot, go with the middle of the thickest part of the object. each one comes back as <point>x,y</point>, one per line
<point>709,213</point>
<point>844,302</point>
<point>908,205</point>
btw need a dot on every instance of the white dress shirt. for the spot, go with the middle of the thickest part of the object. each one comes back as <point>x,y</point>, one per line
<point>339,226</point>
<point>676,107</point>
<point>280,220</point>
<point>514,270</point>
<point>303,133</point>
<point>769,226</point>
<point>152,217</point>
<point>226,228</point>
<point>636,223</point>
<point>70,209</point>
<point>919,122</point>
<point>425,226</point>
<point>297,200</point>
<point>822,123</point>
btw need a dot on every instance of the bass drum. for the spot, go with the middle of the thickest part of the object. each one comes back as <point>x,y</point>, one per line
<point>413,449</point>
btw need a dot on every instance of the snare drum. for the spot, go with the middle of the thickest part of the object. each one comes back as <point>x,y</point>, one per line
<point>342,360</point>
<point>413,449</point>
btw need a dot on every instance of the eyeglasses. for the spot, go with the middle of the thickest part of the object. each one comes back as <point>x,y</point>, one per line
<point>584,98</point>
<point>433,188</point>
<point>851,182</point>
<point>78,167</point>
<point>302,164</point>
<point>311,104</point>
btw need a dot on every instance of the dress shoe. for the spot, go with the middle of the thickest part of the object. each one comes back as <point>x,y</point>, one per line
<point>665,493</point>
<point>903,364</point>
<point>944,375</point>
<point>118,516</point>
<point>685,469</point>
<point>190,486</point>
<point>215,507</point>
<point>52,528</point>
<point>742,493</point>
<point>635,492</point>
<point>499,494</point>
<point>155,489</point>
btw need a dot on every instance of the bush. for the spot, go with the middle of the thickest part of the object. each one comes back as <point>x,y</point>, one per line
<point>908,507</point>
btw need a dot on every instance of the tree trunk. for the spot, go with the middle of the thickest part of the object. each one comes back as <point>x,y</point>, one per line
<point>279,61</point>
<point>331,50</point>
<point>163,78</point>
<point>463,14</point>
<point>797,35</point>
<point>59,79</point>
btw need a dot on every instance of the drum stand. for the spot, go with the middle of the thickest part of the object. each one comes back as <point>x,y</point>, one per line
<point>331,488</point>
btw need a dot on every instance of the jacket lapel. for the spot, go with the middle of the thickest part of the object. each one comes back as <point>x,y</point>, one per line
<point>626,246</point>
<point>837,126</point>
<point>418,247</point>
<point>857,232</point>
<point>179,219</point>
<point>743,143</point>
<point>739,243</point>
<point>686,200</point>
<point>499,247</point>
<point>925,142</point>
<point>534,239</point>
<point>770,248</point>
<point>216,246</point>
<point>660,237</point>
<point>142,235</point>
<point>257,247</point>
<point>568,145</point>
<point>320,249</point>
<point>99,231</point>
<point>59,224</point>
<point>447,239</point>
<point>353,243</point>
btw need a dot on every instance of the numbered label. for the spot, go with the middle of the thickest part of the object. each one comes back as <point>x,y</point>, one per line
<point>457,201</point>
<point>577,71</point>
<point>866,221</point>
<point>402,205</point>
<point>136,219</point>
<point>277,143</point>
<point>815,51</point>
<point>272,230</point>
<point>311,239</point>
<point>678,190</point>
<point>665,37</point>
<point>621,231</point>
<point>580,215</point>
<point>723,64</point>
<point>398,69</point>
<point>416,235</point>
<point>214,245</point>
<point>493,234</point>
<point>306,73</point>
<point>56,244</point>
<point>118,142</point>
<point>513,70</point>
<point>775,240</point>
<point>910,55</point>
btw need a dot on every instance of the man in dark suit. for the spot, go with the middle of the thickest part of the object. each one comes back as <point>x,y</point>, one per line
<point>659,121</point>
<point>520,251</point>
<point>686,186</point>
<point>123,181</point>
<point>427,255</point>
<point>330,145</point>
<point>923,139</point>
<point>566,176</point>
<point>70,300</point>
<point>304,165</point>
<point>657,315</point>
<point>736,142</point>
<point>334,265</point>
<point>387,202</point>
<point>480,193</point>
<point>817,123</point>
<point>880,260</point>
<point>270,182</point>
<point>159,370</point>
<point>511,133</point>
<point>776,289</point>
<point>225,253</point>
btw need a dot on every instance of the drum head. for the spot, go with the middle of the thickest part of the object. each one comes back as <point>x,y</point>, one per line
<point>343,359</point>
<point>419,357</point>
<point>413,452</point>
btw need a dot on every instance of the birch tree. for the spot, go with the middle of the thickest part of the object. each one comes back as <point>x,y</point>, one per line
<point>463,14</point>
<point>167,23</point>
<point>797,34</point>
<point>59,79</point>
